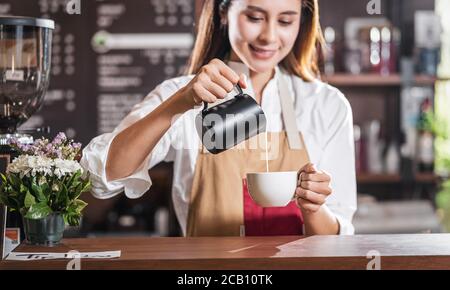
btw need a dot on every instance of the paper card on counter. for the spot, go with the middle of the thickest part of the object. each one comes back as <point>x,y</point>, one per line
<point>24,256</point>
<point>12,240</point>
<point>2,231</point>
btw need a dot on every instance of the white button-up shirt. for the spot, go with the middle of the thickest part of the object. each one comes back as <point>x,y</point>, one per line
<point>323,116</point>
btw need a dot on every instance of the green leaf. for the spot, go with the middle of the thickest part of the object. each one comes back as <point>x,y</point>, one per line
<point>80,205</point>
<point>4,179</point>
<point>74,178</point>
<point>62,197</point>
<point>46,190</point>
<point>74,185</point>
<point>72,219</point>
<point>38,191</point>
<point>86,187</point>
<point>10,199</point>
<point>23,189</point>
<point>66,221</point>
<point>15,182</point>
<point>38,211</point>
<point>83,187</point>
<point>29,200</point>
<point>4,200</point>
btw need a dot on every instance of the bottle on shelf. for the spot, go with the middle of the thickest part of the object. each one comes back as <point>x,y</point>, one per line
<point>375,49</point>
<point>374,147</point>
<point>427,39</point>
<point>330,40</point>
<point>392,159</point>
<point>359,150</point>
<point>407,152</point>
<point>386,51</point>
<point>425,141</point>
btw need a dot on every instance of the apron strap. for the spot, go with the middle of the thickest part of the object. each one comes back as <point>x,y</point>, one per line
<point>287,108</point>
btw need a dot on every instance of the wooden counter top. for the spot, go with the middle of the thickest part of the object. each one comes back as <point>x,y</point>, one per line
<point>421,251</point>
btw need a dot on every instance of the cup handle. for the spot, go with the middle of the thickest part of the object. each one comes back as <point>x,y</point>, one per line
<point>299,176</point>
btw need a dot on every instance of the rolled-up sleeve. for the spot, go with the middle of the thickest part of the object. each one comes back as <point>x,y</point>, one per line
<point>338,160</point>
<point>96,152</point>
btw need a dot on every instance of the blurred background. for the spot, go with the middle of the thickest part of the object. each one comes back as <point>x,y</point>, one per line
<point>391,58</point>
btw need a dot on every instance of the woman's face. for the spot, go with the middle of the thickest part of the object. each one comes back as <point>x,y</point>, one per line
<point>263,32</point>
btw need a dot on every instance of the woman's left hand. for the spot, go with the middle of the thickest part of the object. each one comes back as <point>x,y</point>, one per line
<point>313,188</point>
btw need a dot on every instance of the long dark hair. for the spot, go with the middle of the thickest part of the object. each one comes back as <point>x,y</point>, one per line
<point>213,42</point>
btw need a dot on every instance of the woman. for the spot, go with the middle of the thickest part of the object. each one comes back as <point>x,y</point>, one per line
<point>269,49</point>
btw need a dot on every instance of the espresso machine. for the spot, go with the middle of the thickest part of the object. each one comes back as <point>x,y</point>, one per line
<point>25,53</point>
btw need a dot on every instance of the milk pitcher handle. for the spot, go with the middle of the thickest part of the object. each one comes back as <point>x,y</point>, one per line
<point>237,87</point>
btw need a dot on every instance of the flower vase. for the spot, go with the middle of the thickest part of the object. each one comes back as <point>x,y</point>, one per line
<point>47,231</point>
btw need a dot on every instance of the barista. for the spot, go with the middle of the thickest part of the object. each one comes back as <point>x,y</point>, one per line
<point>267,47</point>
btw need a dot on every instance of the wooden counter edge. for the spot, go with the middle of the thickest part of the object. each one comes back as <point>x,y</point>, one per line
<point>288,263</point>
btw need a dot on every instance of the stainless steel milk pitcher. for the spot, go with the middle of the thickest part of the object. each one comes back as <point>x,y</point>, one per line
<point>227,124</point>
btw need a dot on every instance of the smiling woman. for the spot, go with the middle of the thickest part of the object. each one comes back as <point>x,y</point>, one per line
<point>270,49</point>
<point>267,33</point>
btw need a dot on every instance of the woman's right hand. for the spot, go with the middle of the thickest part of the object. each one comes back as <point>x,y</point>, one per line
<point>214,81</point>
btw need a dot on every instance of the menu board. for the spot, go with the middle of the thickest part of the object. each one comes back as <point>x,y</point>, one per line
<point>107,58</point>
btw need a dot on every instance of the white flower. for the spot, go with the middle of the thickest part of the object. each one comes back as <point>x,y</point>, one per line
<point>65,167</point>
<point>26,165</point>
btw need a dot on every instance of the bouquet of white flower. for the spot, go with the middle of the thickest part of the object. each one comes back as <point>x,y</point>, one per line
<point>46,178</point>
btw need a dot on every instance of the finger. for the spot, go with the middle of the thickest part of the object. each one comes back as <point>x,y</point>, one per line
<point>210,70</point>
<point>307,206</point>
<point>318,187</point>
<point>317,177</point>
<point>206,95</point>
<point>223,82</point>
<point>311,168</point>
<point>311,207</point>
<point>310,196</point>
<point>217,62</point>
<point>216,90</point>
<point>243,81</point>
<point>305,167</point>
<point>229,74</point>
<point>300,177</point>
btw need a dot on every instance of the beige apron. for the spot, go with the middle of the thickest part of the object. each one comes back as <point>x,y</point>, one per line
<point>216,199</point>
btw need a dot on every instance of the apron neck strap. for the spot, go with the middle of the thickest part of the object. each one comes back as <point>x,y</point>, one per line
<point>289,118</point>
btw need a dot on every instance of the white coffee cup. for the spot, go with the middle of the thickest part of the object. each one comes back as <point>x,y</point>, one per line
<point>272,189</point>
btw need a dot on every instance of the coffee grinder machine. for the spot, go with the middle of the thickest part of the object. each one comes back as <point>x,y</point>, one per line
<point>25,53</point>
